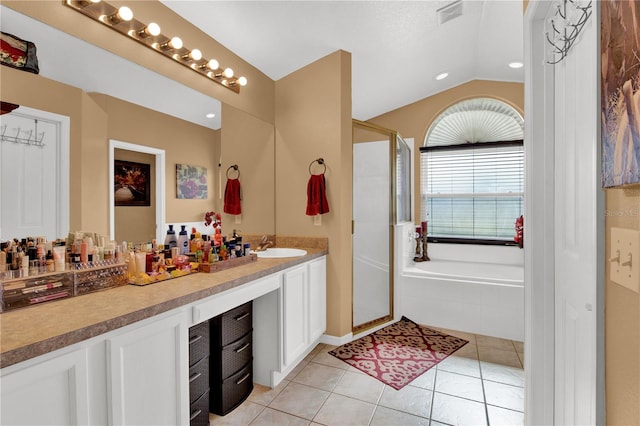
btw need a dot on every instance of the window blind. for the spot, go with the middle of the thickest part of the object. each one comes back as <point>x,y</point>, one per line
<point>472,191</point>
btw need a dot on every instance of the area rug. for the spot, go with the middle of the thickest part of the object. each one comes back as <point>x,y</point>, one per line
<point>398,353</point>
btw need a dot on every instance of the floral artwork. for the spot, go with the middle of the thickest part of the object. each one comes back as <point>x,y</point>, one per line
<point>191,182</point>
<point>131,183</point>
<point>620,92</point>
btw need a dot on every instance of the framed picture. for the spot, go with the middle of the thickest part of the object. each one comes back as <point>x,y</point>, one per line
<point>620,92</point>
<point>191,182</point>
<point>131,183</point>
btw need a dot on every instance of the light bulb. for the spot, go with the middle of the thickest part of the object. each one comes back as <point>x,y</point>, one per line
<point>176,43</point>
<point>153,29</point>
<point>196,54</point>
<point>125,14</point>
<point>242,81</point>
<point>442,76</point>
<point>516,65</point>
<point>213,64</point>
<point>228,72</point>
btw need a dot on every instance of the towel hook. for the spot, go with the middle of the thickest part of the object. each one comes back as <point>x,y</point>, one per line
<point>320,161</point>
<point>234,167</point>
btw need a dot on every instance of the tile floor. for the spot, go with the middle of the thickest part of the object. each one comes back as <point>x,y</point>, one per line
<point>480,384</point>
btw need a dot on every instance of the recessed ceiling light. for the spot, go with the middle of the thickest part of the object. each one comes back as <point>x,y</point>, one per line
<point>442,76</point>
<point>516,64</point>
<point>210,115</point>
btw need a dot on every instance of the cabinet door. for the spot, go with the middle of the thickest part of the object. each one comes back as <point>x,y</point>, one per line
<point>149,373</point>
<point>294,321</point>
<point>51,392</point>
<point>317,298</point>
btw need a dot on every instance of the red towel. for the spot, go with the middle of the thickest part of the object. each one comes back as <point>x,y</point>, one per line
<point>316,196</point>
<point>232,197</point>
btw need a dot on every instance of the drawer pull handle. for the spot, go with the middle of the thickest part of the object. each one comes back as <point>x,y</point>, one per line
<point>245,377</point>
<point>195,414</point>
<point>243,316</point>
<point>243,347</point>
<point>194,339</point>
<point>194,377</point>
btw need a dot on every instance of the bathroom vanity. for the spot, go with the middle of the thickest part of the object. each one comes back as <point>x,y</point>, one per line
<point>121,356</point>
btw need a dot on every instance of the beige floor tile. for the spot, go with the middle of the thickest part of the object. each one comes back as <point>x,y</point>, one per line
<point>386,417</point>
<point>502,373</point>
<point>263,395</point>
<point>342,410</point>
<point>460,365</point>
<point>459,385</point>
<point>300,400</point>
<point>504,396</point>
<point>499,356</point>
<point>518,345</point>
<point>360,386</point>
<point>503,417</point>
<point>495,342</point>
<point>270,417</point>
<point>319,376</point>
<point>298,368</point>
<point>243,415</point>
<point>325,359</point>
<point>426,380</point>
<point>409,399</point>
<point>467,351</point>
<point>470,337</point>
<point>457,411</point>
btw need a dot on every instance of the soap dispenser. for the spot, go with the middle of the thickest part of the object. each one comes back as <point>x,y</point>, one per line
<point>183,240</point>
<point>170,240</point>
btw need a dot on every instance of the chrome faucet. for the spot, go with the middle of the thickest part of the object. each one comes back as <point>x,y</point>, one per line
<point>264,244</point>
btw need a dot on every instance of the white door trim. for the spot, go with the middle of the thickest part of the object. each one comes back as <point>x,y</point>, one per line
<point>539,145</point>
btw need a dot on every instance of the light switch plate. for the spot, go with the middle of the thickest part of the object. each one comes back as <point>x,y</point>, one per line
<point>627,243</point>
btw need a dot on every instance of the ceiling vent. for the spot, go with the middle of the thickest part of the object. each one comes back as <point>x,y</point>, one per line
<point>449,12</point>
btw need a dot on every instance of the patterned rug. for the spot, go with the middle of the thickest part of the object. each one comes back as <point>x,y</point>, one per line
<point>398,353</point>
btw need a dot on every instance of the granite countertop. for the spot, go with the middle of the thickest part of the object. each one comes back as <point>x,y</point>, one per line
<point>36,330</point>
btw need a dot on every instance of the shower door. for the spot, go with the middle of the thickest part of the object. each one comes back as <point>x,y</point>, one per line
<point>381,188</point>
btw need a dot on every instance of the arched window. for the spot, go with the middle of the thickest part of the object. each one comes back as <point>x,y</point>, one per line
<point>472,173</point>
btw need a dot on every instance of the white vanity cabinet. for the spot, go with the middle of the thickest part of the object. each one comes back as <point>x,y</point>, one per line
<point>149,369</point>
<point>304,303</point>
<point>51,391</point>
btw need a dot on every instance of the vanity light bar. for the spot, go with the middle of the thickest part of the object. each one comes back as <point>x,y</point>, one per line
<point>150,36</point>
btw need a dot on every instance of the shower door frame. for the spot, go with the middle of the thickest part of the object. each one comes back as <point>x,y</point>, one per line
<point>392,136</point>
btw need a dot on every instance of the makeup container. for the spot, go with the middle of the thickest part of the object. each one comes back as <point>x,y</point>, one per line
<point>59,258</point>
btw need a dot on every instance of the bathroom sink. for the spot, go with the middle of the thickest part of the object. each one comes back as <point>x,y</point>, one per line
<point>281,252</point>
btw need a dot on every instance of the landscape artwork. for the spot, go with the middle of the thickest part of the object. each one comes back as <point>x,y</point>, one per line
<point>620,97</point>
<point>191,182</point>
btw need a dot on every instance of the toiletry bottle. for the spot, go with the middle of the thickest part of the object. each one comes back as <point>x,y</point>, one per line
<point>183,240</point>
<point>170,240</point>
<point>217,238</point>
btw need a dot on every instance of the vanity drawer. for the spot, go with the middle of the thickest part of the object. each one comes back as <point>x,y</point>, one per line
<point>227,395</point>
<point>198,379</point>
<point>232,325</point>
<point>199,414</point>
<point>198,342</point>
<point>235,356</point>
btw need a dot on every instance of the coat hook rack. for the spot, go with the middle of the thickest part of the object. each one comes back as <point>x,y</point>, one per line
<point>235,168</point>
<point>566,32</point>
<point>33,138</point>
<point>320,161</point>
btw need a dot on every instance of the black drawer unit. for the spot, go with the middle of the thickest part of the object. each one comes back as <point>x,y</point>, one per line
<point>231,359</point>
<point>199,337</point>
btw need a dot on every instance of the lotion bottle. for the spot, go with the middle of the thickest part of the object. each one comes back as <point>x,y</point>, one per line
<point>183,240</point>
<point>170,240</point>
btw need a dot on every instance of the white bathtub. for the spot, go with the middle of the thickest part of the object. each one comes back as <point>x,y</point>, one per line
<point>463,288</point>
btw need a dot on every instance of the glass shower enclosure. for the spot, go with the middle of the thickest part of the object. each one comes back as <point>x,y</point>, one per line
<point>381,199</point>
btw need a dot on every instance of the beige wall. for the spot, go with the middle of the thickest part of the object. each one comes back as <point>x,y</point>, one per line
<point>137,223</point>
<point>413,120</point>
<point>250,143</point>
<point>313,119</point>
<point>622,319</point>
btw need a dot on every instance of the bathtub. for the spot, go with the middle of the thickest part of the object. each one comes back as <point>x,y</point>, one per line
<point>463,288</point>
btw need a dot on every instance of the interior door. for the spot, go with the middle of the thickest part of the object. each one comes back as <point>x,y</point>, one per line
<point>577,238</point>
<point>40,208</point>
